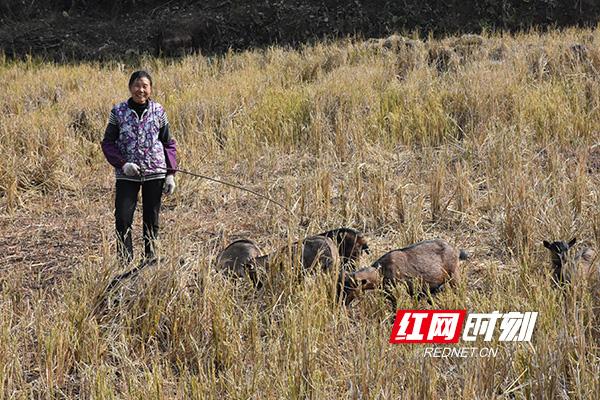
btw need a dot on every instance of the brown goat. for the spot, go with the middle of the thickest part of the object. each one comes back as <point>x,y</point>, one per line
<point>237,259</point>
<point>311,251</point>
<point>430,263</point>
<point>567,269</point>
<point>350,244</point>
<point>367,278</point>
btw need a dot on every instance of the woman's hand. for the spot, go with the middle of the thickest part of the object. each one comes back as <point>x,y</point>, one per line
<point>131,169</point>
<point>169,186</point>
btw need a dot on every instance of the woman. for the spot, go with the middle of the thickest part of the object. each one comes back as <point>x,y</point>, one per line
<point>137,142</point>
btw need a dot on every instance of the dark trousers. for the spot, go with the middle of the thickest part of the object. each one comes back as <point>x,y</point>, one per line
<point>125,203</point>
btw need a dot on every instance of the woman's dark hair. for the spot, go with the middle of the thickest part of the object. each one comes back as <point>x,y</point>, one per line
<point>139,74</point>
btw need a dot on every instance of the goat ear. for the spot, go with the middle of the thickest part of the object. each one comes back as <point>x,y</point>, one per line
<point>547,244</point>
<point>572,242</point>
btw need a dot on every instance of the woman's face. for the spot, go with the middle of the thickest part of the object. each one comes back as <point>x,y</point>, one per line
<point>141,89</point>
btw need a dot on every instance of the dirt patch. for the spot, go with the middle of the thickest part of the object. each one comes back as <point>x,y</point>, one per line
<point>48,246</point>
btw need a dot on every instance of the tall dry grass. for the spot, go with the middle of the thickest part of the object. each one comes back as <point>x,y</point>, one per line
<point>494,150</point>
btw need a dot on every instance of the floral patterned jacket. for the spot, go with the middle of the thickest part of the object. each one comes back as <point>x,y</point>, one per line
<point>141,139</point>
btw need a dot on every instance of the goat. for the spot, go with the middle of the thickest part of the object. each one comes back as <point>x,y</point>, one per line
<point>351,284</point>
<point>431,263</point>
<point>243,257</point>
<point>238,258</point>
<point>350,244</point>
<point>565,268</point>
<point>318,250</point>
<point>311,251</point>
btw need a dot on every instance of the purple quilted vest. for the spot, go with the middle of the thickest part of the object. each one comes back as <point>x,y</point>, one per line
<point>138,138</point>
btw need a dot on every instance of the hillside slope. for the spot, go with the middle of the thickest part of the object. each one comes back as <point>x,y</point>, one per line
<point>78,29</point>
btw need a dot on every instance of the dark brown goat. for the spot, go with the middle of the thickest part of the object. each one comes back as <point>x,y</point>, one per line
<point>242,257</point>
<point>565,268</point>
<point>312,251</point>
<point>429,264</point>
<point>238,258</point>
<point>350,244</point>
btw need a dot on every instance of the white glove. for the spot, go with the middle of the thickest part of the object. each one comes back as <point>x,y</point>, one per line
<point>169,186</point>
<point>131,169</point>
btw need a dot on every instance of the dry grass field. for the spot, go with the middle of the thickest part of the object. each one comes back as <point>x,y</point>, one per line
<point>493,145</point>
